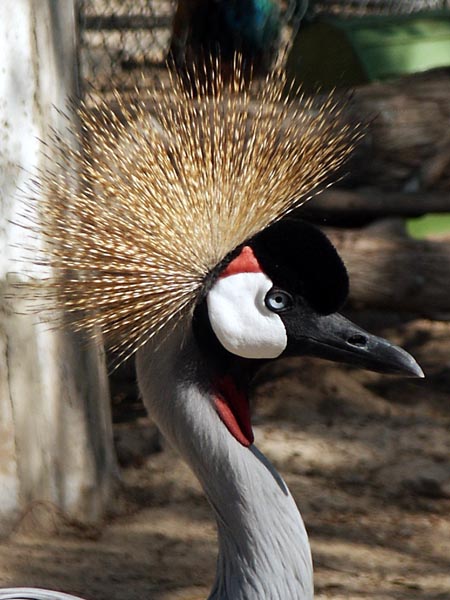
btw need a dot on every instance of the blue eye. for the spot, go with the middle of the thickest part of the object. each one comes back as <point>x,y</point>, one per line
<point>278,300</point>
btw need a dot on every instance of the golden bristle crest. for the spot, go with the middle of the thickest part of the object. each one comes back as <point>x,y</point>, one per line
<point>159,192</point>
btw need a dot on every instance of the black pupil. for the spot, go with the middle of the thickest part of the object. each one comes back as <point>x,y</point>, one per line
<point>279,299</point>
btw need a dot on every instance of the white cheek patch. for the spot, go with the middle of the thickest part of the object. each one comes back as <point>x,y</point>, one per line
<point>240,319</point>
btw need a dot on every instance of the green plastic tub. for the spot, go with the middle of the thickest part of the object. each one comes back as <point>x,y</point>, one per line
<point>335,51</point>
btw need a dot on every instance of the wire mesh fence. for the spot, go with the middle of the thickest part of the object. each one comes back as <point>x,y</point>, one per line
<point>123,42</point>
<point>352,8</point>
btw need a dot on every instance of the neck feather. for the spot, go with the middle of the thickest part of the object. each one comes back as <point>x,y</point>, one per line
<point>263,546</point>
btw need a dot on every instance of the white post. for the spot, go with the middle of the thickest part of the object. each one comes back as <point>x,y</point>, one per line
<point>55,423</point>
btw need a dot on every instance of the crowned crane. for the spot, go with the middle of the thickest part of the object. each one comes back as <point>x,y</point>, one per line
<point>176,248</point>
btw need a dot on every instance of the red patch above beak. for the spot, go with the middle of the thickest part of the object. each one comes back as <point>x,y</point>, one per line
<point>245,262</point>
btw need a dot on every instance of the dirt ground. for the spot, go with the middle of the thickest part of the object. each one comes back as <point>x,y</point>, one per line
<point>366,456</point>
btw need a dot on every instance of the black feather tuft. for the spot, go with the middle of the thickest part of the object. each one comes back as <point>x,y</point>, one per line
<point>300,259</point>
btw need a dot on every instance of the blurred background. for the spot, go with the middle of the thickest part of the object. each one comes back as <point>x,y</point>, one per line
<point>366,456</point>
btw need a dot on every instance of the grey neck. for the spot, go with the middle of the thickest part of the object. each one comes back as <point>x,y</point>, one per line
<point>263,546</point>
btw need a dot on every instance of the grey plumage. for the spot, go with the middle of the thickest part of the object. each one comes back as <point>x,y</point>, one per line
<point>34,594</point>
<point>263,546</point>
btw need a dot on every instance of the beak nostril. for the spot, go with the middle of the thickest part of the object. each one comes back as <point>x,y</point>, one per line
<point>357,340</point>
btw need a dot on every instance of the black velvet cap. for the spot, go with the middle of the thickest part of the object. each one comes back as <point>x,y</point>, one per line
<point>300,259</point>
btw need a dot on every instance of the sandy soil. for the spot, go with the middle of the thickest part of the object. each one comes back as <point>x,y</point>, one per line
<point>367,458</point>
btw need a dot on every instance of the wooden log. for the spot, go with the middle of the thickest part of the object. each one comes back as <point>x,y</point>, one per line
<point>395,272</point>
<point>408,122</point>
<point>363,205</point>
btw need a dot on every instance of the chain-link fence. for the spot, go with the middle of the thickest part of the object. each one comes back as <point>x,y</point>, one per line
<point>354,8</point>
<point>123,42</point>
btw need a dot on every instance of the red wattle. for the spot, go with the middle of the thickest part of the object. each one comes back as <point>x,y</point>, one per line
<point>234,410</point>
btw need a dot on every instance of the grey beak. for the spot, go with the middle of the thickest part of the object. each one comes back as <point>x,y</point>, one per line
<point>335,338</point>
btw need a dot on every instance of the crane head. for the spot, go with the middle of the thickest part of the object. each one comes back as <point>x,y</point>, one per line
<point>280,295</point>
